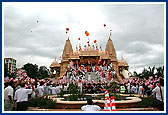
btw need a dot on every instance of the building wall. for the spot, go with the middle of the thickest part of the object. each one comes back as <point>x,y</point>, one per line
<point>11,64</point>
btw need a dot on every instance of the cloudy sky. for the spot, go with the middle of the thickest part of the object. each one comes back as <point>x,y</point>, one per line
<point>36,32</point>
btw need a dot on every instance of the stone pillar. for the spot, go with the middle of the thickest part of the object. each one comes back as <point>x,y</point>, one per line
<point>51,72</point>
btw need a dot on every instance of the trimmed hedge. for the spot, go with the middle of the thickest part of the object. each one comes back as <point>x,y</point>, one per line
<point>41,102</point>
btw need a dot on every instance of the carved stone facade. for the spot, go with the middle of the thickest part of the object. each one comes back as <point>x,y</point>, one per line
<point>93,55</point>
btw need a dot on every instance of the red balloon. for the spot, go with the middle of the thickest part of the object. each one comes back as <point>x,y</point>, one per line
<point>67,29</point>
<point>78,38</point>
<point>95,41</point>
<point>87,34</point>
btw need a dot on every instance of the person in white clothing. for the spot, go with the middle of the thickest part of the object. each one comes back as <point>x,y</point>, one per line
<point>8,97</point>
<point>53,90</point>
<point>128,87</point>
<point>21,96</point>
<point>90,106</point>
<point>80,84</point>
<point>133,89</point>
<point>140,89</point>
<point>40,90</point>
<point>159,91</point>
<point>58,89</point>
<point>89,78</point>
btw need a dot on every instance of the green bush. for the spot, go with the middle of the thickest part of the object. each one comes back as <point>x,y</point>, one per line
<point>75,94</point>
<point>146,102</point>
<point>41,102</point>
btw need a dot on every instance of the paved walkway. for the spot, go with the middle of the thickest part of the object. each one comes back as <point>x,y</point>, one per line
<point>94,76</point>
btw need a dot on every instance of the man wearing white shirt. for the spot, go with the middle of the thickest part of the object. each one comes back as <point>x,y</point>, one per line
<point>159,91</point>
<point>40,90</point>
<point>8,97</point>
<point>58,89</point>
<point>21,96</point>
<point>89,78</point>
<point>90,106</point>
<point>128,87</point>
<point>53,90</point>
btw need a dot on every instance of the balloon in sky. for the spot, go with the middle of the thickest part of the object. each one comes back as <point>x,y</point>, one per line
<point>67,29</point>
<point>104,25</point>
<point>78,38</point>
<point>87,33</point>
<point>95,41</point>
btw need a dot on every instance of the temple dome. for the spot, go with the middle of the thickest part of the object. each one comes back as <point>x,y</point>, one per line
<point>55,64</point>
<point>122,62</point>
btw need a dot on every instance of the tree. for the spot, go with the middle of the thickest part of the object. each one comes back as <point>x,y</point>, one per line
<point>31,70</point>
<point>150,72</point>
<point>43,72</point>
<point>160,71</point>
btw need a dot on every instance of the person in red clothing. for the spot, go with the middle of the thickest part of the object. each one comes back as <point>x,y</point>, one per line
<point>110,75</point>
<point>96,68</point>
<point>76,72</point>
<point>88,69</point>
<point>103,74</point>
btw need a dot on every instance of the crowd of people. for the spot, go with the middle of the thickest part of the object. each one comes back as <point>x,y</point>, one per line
<point>18,90</point>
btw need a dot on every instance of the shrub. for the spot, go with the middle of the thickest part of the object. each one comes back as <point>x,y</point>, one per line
<point>41,102</point>
<point>146,102</point>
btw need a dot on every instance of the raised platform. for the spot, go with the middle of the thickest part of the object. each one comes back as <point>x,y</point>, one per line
<point>128,103</point>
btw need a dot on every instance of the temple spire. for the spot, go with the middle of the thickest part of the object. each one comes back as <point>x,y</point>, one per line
<point>67,49</point>
<point>110,34</point>
<point>110,48</point>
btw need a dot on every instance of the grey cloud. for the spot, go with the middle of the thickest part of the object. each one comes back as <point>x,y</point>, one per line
<point>139,27</point>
